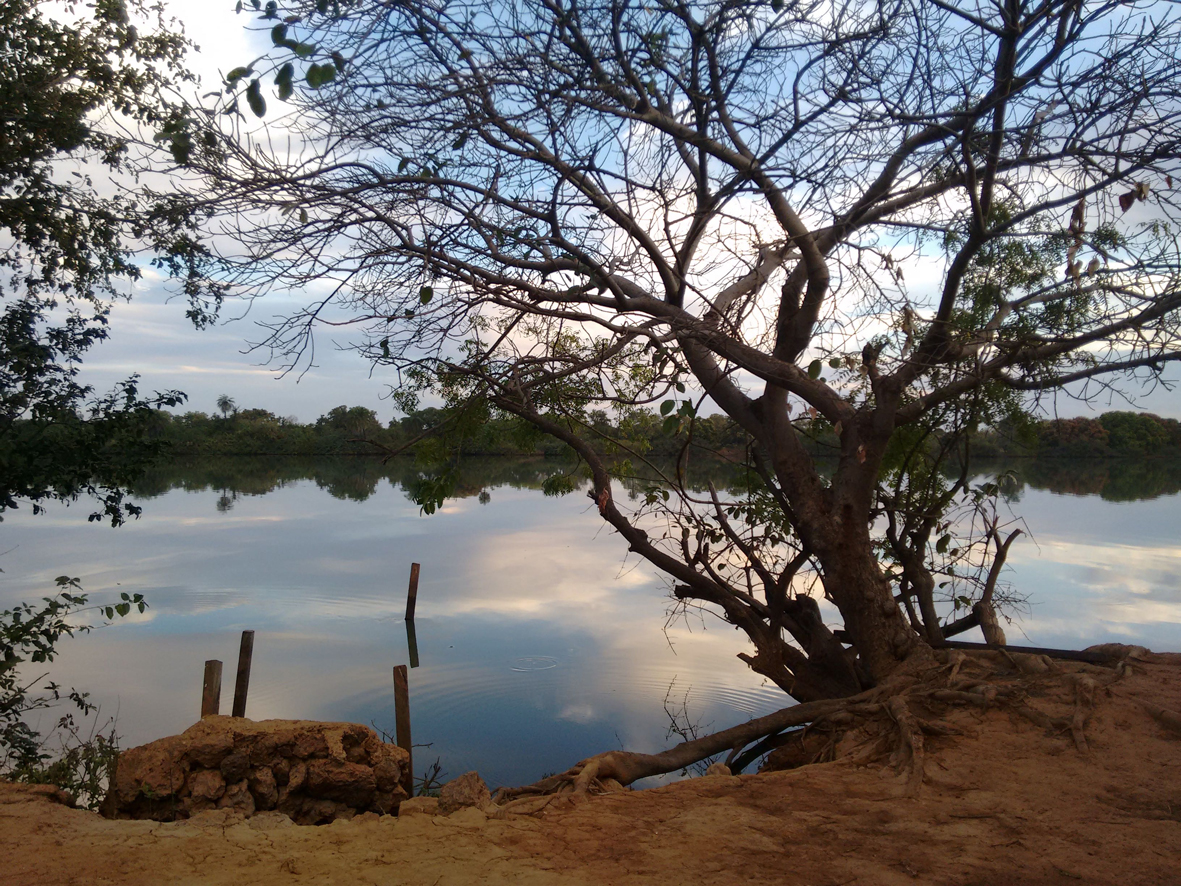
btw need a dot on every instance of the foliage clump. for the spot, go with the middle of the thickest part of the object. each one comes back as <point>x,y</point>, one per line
<point>79,762</point>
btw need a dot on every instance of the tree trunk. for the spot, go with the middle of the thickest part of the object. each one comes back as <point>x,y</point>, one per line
<point>985,614</point>
<point>874,623</point>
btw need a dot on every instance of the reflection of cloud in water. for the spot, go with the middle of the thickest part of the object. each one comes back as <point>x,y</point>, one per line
<point>1086,593</point>
<point>579,713</point>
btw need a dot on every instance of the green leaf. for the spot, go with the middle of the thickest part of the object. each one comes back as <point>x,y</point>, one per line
<point>680,388</point>
<point>279,34</point>
<point>814,369</point>
<point>943,543</point>
<point>426,294</point>
<point>237,74</point>
<point>307,50</point>
<point>303,216</point>
<point>322,7</point>
<point>834,362</point>
<point>271,9</point>
<point>283,81</point>
<point>254,98</point>
<point>319,75</point>
<point>403,163</point>
<point>667,406</point>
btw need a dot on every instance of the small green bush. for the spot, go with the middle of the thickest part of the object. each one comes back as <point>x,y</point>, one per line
<point>79,763</point>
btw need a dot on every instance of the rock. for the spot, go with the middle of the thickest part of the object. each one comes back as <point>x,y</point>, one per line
<point>234,767</point>
<point>387,774</point>
<point>350,783</point>
<point>263,787</point>
<point>237,796</point>
<point>312,772</point>
<point>419,806</point>
<point>206,748</point>
<point>281,768</point>
<point>467,790</point>
<point>208,784</point>
<point>296,777</point>
<point>151,771</point>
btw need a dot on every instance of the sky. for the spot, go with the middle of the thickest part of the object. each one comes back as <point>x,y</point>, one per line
<point>151,336</point>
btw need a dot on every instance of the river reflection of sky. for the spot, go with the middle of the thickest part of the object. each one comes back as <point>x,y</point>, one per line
<point>322,580</point>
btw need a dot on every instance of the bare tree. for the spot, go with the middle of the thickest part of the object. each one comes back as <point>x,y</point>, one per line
<point>890,221</point>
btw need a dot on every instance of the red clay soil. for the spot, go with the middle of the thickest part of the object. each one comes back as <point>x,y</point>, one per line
<point>1007,803</point>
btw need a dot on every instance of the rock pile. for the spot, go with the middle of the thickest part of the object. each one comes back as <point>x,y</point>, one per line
<point>313,772</point>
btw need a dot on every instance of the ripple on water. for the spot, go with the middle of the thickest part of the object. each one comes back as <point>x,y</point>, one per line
<point>534,663</point>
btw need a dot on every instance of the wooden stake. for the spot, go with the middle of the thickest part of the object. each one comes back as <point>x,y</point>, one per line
<point>211,689</point>
<point>412,642</point>
<point>402,724</point>
<point>412,593</point>
<point>242,684</point>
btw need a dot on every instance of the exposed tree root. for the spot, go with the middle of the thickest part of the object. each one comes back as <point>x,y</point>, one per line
<point>890,722</point>
<point>910,748</point>
<point>1171,720</point>
<point>625,767</point>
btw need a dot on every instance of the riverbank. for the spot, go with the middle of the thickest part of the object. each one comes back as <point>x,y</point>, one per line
<point>1003,803</point>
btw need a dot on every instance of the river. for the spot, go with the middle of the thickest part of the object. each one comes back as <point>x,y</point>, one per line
<point>540,640</point>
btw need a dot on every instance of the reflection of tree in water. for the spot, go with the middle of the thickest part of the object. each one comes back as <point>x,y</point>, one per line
<point>356,479</point>
<point>1113,479</point>
<point>350,478</point>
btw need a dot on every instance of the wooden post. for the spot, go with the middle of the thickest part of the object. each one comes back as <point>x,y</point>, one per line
<point>211,689</point>
<point>402,724</point>
<point>412,594</point>
<point>242,684</point>
<point>412,642</point>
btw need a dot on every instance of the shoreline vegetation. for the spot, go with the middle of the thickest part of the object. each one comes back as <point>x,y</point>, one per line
<point>358,431</point>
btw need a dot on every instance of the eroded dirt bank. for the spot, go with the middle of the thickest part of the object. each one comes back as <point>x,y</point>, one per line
<point>1005,804</point>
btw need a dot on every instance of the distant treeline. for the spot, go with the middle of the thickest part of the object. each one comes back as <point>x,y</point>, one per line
<point>1113,434</point>
<point>357,430</point>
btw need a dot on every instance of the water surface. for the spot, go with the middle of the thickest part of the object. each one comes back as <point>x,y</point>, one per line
<point>540,640</point>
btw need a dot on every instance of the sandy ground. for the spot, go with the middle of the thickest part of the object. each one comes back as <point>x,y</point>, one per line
<point>1007,804</point>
